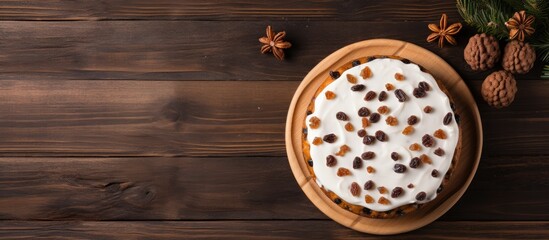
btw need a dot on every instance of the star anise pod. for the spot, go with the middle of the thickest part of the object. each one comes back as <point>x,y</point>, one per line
<point>443,32</point>
<point>520,26</point>
<point>274,43</point>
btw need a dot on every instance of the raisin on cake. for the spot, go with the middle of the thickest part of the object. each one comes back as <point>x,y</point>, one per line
<point>381,137</point>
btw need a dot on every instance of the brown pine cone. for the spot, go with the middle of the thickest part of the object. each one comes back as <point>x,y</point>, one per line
<point>499,89</point>
<point>482,52</point>
<point>518,57</point>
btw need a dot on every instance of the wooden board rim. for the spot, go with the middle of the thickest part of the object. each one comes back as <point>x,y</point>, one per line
<point>347,54</point>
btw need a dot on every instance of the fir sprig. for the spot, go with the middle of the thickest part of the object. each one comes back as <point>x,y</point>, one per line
<point>540,10</point>
<point>486,16</point>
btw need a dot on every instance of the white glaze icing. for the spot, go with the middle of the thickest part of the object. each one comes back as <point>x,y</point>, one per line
<point>349,102</point>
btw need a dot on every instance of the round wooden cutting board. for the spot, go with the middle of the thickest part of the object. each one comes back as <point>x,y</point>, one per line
<point>470,126</point>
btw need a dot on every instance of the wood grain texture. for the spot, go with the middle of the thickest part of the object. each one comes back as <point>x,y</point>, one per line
<point>262,230</point>
<point>196,118</point>
<point>150,188</point>
<point>143,118</point>
<point>506,186</point>
<point>148,132</point>
<point>403,10</point>
<point>191,50</point>
<point>248,188</point>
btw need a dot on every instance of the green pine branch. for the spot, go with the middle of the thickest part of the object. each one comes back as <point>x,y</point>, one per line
<point>486,16</point>
<point>540,40</point>
<point>538,8</point>
<point>541,44</point>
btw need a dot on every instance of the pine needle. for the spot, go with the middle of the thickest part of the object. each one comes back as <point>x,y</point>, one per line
<point>545,72</point>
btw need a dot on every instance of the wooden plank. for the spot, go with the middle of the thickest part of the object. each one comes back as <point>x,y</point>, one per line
<point>405,10</point>
<point>150,188</point>
<point>196,118</point>
<point>193,50</point>
<point>261,230</point>
<point>143,118</point>
<point>505,188</point>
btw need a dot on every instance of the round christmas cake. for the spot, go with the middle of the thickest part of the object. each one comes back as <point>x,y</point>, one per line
<point>381,137</point>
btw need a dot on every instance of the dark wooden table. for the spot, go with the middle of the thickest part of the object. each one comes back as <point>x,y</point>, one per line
<point>161,119</point>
